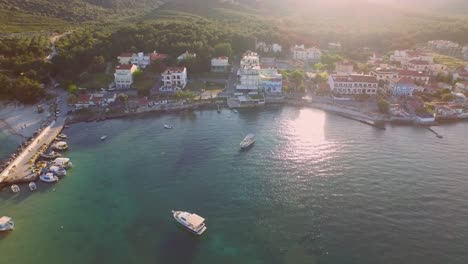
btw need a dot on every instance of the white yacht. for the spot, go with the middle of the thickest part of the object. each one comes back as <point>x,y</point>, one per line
<point>168,126</point>
<point>103,137</point>
<point>6,223</point>
<point>15,188</point>
<point>48,177</point>
<point>247,141</point>
<point>193,222</point>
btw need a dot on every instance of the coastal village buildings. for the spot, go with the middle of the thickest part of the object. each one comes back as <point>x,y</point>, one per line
<point>386,75</point>
<point>353,84</point>
<point>271,82</point>
<point>267,48</point>
<point>416,76</point>
<point>404,56</point>
<point>404,87</point>
<point>299,52</point>
<point>174,79</point>
<point>185,56</point>
<point>220,64</point>
<point>465,53</point>
<point>445,47</point>
<point>254,78</point>
<point>140,59</point>
<point>123,76</point>
<point>249,72</point>
<point>461,74</point>
<point>344,68</point>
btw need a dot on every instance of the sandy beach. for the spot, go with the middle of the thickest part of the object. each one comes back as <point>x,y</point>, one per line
<point>20,120</point>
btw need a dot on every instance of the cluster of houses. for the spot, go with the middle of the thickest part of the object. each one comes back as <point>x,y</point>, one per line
<point>448,48</point>
<point>100,99</point>
<point>255,79</point>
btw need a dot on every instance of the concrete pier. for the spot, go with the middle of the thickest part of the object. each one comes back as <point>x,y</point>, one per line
<point>19,170</point>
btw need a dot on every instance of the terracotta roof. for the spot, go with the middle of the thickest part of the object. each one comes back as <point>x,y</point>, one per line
<point>84,98</point>
<point>355,78</point>
<point>143,101</point>
<point>126,54</point>
<point>419,62</point>
<point>405,80</point>
<point>412,73</point>
<point>124,66</point>
<point>173,70</point>
<point>158,56</point>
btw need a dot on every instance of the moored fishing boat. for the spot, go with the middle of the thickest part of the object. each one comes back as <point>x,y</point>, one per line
<point>48,177</point>
<point>193,222</point>
<point>248,141</point>
<point>58,170</point>
<point>32,186</point>
<point>62,136</point>
<point>61,145</point>
<point>15,188</point>
<point>63,162</point>
<point>50,155</point>
<point>6,223</point>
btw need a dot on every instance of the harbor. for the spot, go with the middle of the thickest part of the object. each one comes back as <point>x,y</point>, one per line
<point>19,169</point>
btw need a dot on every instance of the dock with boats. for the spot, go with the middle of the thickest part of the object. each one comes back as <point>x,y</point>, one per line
<point>19,169</point>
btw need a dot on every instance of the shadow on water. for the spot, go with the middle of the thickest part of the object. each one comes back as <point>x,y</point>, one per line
<point>5,234</point>
<point>179,246</point>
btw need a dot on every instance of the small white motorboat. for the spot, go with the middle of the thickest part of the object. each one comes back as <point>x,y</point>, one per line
<point>235,111</point>
<point>58,170</point>
<point>62,136</point>
<point>48,177</point>
<point>103,137</point>
<point>6,223</point>
<point>247,141</point>
<point>168,126</point>
<point>32,186</point>
<point>193,222</point>
<point>63,162</point>
<point>61,145</point>
<point>15,188</point>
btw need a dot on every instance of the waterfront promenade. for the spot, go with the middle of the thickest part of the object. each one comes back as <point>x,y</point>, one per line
<point>19,168</point>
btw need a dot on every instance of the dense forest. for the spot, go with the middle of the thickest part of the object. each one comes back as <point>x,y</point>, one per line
<point>23,68</point>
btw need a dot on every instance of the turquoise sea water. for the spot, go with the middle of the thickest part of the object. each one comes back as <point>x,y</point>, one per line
<point>8,144</point>
<point>315,188</point>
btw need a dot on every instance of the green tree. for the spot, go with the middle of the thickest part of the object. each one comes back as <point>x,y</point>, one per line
<point>384,106</point>
<point>72,89</point>
<point>223,49</point>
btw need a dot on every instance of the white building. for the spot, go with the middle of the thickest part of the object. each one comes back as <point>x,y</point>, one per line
<point>174,79</point>
<point>125,58</point>
<point>417,65</point>
<point>141,60</point>
<point>271,82</point>
<point>353,84</point>
<point>249,72</point>
<point>386,75</point>
<point>416,76</point>
<point>186,55</point>
<point>299,52</point>
<point>403,56</point>
<point>123,76</point>
<point>220,64</point>
<point>344,68</point>
<point>264,47</point>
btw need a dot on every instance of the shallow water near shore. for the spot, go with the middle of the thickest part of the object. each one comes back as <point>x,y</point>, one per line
<point>315,188</point>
